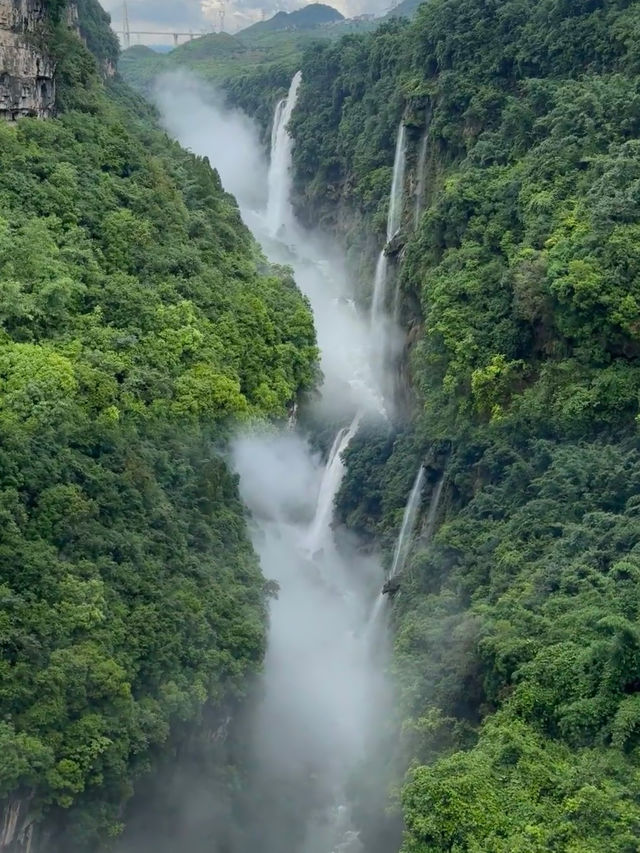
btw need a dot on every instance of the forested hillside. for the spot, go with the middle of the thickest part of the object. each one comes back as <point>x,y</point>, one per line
<point>139,320</point>
<point>517,641</point>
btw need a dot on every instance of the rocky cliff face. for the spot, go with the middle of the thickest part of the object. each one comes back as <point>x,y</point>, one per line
<point>27,85</point>
<point>16,826</point>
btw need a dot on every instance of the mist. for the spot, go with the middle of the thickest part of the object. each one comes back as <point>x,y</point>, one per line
<point>323,697</point>
<point>197,116</point>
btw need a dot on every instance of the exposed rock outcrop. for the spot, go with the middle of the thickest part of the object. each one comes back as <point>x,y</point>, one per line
<point>16,825</point>
<point>27,86</point>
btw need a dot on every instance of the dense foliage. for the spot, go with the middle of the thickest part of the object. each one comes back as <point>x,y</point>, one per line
<point>138,321</point>
<point>517,648</point>
<point>308,17</point>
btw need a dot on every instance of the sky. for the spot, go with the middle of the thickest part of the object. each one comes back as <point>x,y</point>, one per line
<point>204,15</point>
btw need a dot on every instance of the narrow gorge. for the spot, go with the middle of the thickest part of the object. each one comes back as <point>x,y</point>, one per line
<point>319,452</point>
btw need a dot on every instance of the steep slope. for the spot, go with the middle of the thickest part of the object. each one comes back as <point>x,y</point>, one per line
<point>313,15</point>
<point>139,321</point>
<point>517,650</point>
<point>405,9</point>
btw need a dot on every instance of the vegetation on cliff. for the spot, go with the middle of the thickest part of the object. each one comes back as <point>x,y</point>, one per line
<point>138,320</point>
<point>517,648</point>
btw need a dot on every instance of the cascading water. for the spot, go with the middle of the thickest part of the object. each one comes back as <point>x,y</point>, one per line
<point>279,215</point>
<point>394,219</point>
<point>324,698</point>
<point>320,688</point>
<point>381,327</point>
<point>408,524</point>
<point>331,481</point>
<point>420,182</point>
<point>432,515</point>
<point>403,543</point>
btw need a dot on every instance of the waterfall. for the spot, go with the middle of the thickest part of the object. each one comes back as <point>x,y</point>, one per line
<point>432,515</point>
<point>408,523</point>
<point>324,697</point>
<point>381,326</point>
<point>331,481</point>
<point>403,543</point>
<point>420,183</point>
<point>279,213</point>
<point>378,302</point>
<point>394,220</point>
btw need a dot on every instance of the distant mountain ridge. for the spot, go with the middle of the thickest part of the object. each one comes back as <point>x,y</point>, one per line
<point>306,18</point>
<point>404,9</point>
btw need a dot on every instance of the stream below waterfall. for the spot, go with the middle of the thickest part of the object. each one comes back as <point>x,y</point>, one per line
<point>324,695</point>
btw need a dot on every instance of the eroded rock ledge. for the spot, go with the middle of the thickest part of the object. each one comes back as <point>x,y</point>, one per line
<point>27,85</point>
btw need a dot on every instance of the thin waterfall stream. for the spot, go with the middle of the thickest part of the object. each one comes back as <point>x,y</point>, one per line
<point>403,546</point>
<point>279,180</point>
<point>394,219</point>
<point>420,182</point>
<point>383,317</point>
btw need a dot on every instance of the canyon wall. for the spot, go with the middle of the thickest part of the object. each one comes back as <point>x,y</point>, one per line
<point>27,85</point>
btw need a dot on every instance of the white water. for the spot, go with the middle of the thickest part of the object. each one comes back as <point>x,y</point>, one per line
<point>321,689</point>
<point>432,515</point>
<point>331,482</point>
<point>382,325</point>
<point>394,218</point>
<point>408,524</point>
<point>324,696</point>
<point>403,545</point>
<point>420,183</point>
<point>279,214</point>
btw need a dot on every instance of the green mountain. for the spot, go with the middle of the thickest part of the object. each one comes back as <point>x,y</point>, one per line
<point>139,320</point>
<point>313,15</point>
<point>405,9</point>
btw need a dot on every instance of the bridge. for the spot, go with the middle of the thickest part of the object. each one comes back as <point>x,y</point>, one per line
<point>125,35</point>
<point>126,32</point>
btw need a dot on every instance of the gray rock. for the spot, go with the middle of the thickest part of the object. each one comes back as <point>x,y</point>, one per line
<point>27,86</point>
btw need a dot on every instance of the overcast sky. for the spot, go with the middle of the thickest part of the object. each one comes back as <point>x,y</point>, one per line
<point>203,15</point>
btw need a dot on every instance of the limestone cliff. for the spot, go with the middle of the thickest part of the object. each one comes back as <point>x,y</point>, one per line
<point>16,825</point>
<point>27,85</point>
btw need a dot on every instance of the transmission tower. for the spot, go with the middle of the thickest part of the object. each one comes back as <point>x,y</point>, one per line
<point>221,13</point>
<point>126,30</point>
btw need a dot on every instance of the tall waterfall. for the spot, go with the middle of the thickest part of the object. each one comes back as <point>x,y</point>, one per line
<point>420,182</point>
<point>394,218</point>
<point>403,543</point>
<point>380,310</point>
<point>408,524</point>
<point>279,213</point>
<point>331,481</point>
<point>432,515</point>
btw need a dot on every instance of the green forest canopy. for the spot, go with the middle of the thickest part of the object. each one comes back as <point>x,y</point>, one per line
<point>139,320</point>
